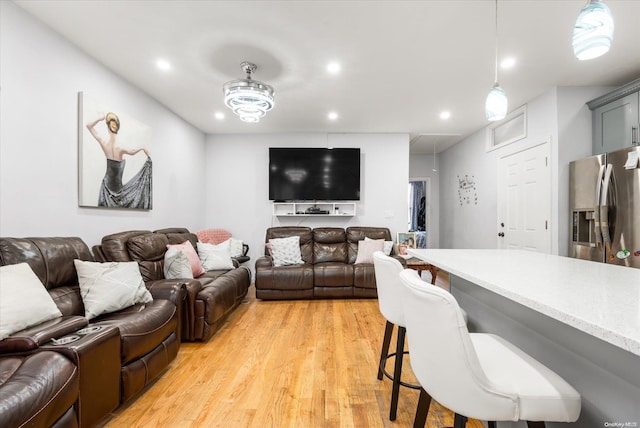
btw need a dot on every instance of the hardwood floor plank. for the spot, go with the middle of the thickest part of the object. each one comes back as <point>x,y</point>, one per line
<point>307,363</point>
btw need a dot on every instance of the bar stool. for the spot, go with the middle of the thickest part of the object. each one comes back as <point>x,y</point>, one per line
<point>476,375</point>
<point>387,270</point>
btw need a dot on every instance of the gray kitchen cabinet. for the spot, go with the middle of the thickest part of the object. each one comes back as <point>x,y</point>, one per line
<point>616,118</point>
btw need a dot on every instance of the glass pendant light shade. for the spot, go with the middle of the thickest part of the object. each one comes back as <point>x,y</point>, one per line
<point>593,32</point>
<point>496,104</point>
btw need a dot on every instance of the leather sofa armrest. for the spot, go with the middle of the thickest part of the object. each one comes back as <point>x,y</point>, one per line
<point>167,289</point>
<point>264,262</point>
<point>32,337</point>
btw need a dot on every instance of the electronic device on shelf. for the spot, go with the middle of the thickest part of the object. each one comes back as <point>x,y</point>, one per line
<point>316,210</point>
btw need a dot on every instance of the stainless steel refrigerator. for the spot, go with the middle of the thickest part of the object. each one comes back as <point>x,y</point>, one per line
<point>604,201</point>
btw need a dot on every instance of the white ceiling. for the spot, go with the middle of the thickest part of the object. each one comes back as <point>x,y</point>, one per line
<point>403,62</point>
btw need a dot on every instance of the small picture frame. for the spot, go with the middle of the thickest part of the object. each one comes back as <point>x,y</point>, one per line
<point>402,249</point>
<point>407,239</point>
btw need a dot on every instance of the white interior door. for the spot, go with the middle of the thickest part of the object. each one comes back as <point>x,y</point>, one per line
<point>524,200</point>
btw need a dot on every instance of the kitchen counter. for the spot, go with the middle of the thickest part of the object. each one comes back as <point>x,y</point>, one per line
<point>579,318</point>
<point>599,299</point>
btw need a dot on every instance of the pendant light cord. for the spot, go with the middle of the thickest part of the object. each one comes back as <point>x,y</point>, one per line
<point>496,69</point>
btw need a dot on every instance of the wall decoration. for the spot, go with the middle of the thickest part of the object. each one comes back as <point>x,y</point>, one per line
<point>467,190</point>
<point>114,159</point>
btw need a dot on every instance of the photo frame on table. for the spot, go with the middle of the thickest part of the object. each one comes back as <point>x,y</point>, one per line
<point>406,240</point>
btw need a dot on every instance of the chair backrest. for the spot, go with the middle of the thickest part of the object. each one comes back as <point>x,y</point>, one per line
<point>443,357</point>
<point>390,289</point>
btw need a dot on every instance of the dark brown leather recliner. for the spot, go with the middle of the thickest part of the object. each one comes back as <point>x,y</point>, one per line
<point>329,269</point>
<point>210,298</point>
<point>148,333</point>
<point>38,390</point>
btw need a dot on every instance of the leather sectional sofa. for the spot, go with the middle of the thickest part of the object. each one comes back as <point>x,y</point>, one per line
<point>210,297</point>
<point>329,269</point>
<point>70,371</point>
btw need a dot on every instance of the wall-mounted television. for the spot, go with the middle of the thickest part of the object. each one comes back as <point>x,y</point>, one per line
<point>314,174</point>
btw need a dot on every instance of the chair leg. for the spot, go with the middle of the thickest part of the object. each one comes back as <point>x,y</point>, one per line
<point>491,424</point>
<point>535,424</point>
<point>397,373</point>
<point>388,331</point>
<point>459,421</point>
<point>423,409</point>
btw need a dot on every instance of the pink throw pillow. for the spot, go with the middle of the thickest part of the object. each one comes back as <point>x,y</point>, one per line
<point>187,248</point>
<point>366,249</point>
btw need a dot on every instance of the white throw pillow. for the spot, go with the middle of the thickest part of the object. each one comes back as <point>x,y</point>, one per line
<point>176,264</point>
<point>109,287</point>
<point>286,251</point>
<point>235,247</point>
<point>25,301</point>
<point>215,257</point>
<point>388,246</point>
<point>366,248</point>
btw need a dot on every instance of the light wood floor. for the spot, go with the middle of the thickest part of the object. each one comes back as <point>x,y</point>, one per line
<point>306,363</point>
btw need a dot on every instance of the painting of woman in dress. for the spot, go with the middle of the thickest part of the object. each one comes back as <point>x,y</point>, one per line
<point>124,164</point>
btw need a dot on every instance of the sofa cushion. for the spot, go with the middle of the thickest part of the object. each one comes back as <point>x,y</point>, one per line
<point>366,248</point>
<point>148,250</point>
<point>25,302</point>
<point>215,257</point>
<point>358,233</point>
<point>176,264</point>
<point>306,239</point>
<point>142,327</point>
<point>329,245</point>
<point>111,286</point>
<point>388,246</point>
<point>332,274</point>
<point>115,246</point>
<point>190,252</point>
<point>36,390</point>
<point>286,251</point>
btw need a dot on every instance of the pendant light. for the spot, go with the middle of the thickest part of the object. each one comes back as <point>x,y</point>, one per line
<point>248,98</point>
<point>593,32</point>
<point>497,103</point>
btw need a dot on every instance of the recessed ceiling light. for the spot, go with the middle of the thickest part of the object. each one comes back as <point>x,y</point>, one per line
<point>445,115</point>
<point>219,115</point>
<point>508,62</point>
<point>332,115</point>
<point>163,65</point>
<point>333,68</point>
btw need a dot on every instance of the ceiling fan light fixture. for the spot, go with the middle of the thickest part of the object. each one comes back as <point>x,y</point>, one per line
<point>593,32</point>
<point>248,98</point>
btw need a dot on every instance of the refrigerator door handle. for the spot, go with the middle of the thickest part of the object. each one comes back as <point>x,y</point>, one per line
<point>604,209</point>
<point>596,212</point>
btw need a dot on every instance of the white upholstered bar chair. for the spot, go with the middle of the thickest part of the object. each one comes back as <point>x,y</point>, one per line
<point>476,375</point>
<point>387,271</point>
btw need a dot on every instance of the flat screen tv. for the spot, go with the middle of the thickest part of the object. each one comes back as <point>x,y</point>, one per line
<point>314,174</point>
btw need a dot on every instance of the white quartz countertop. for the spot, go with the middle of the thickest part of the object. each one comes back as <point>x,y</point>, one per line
<point>599,299</point>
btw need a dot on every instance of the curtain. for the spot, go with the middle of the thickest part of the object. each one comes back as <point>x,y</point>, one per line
<point>417,205</point>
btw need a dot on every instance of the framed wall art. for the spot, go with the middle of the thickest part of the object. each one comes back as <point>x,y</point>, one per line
<point>114,158</point>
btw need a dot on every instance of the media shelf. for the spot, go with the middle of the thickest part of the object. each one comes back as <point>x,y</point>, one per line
<point>314,209</point>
